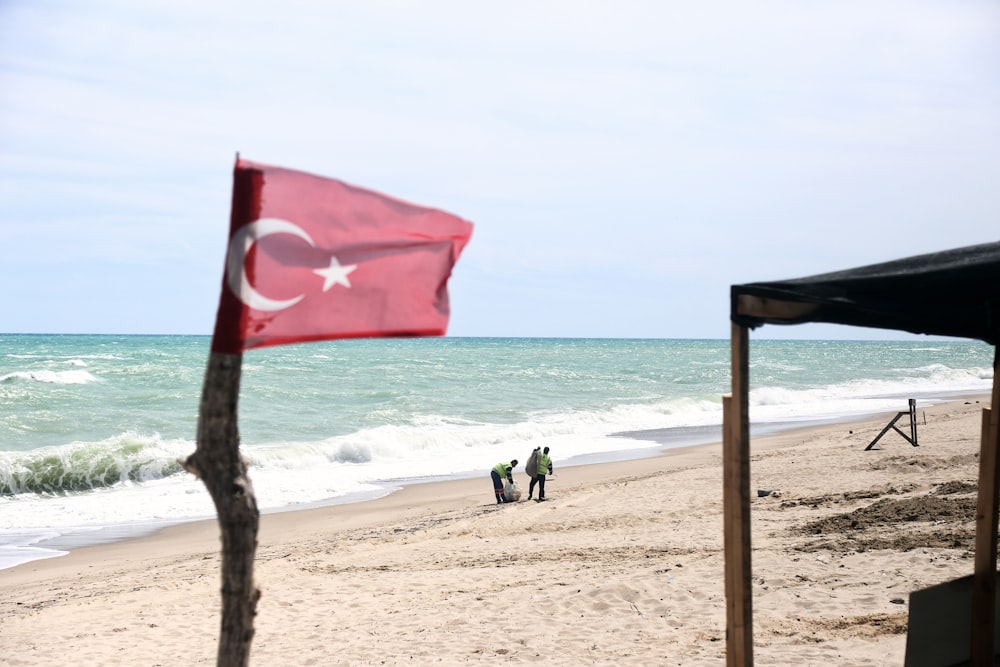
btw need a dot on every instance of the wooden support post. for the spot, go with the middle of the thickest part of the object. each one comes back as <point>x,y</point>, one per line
<point>736,506</point>
<point>982,641</point>
<point>218,463</point>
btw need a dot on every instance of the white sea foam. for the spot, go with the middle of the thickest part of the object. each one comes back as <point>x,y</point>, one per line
<point>51,377</point>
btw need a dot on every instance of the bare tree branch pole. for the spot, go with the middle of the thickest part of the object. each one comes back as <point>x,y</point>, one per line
<point>218,463</point>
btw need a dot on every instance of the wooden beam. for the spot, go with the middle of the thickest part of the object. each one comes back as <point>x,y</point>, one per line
<point>773,309</point>
<point>736,506</point>
<point>982,641</point>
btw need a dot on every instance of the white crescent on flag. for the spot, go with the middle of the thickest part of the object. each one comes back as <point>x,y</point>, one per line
<point>239,247</point>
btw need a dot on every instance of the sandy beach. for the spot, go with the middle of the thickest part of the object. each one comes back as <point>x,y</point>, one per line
<point>622,564</point>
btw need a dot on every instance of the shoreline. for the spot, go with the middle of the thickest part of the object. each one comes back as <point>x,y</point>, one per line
<point>670,441</point>
<point>439,492</point>
<point>623,564</point>
<point>406,499</point>
<point>61,545</point>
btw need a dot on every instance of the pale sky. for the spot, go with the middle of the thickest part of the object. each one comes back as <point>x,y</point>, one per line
<point>623,162</point>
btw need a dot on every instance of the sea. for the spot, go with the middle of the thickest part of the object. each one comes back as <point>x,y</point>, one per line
<point>92,426</point>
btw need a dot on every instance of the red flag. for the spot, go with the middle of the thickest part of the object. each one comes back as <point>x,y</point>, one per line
<point>312,258</point>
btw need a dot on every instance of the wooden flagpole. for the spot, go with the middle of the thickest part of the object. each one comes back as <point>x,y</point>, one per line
<point>218,463</point>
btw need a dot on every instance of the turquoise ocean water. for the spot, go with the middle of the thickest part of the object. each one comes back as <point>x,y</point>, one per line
<point>91,427</point>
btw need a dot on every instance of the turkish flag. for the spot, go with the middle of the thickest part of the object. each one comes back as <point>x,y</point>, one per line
<point>313,258</point>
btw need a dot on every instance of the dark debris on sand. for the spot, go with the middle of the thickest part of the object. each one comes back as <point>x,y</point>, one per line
<point>940,518</point>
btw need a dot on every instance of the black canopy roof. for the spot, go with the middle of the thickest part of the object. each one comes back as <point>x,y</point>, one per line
<point>949,293</point>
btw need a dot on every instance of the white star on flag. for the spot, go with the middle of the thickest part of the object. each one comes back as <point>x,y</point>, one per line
<point>335,274</point>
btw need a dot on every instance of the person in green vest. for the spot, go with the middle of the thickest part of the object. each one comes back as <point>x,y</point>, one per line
<point>544,466</point>
<point>499,472</point>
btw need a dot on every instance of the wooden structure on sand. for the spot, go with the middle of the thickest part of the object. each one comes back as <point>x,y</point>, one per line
<point>911,412</point>
<point>950,293</point>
